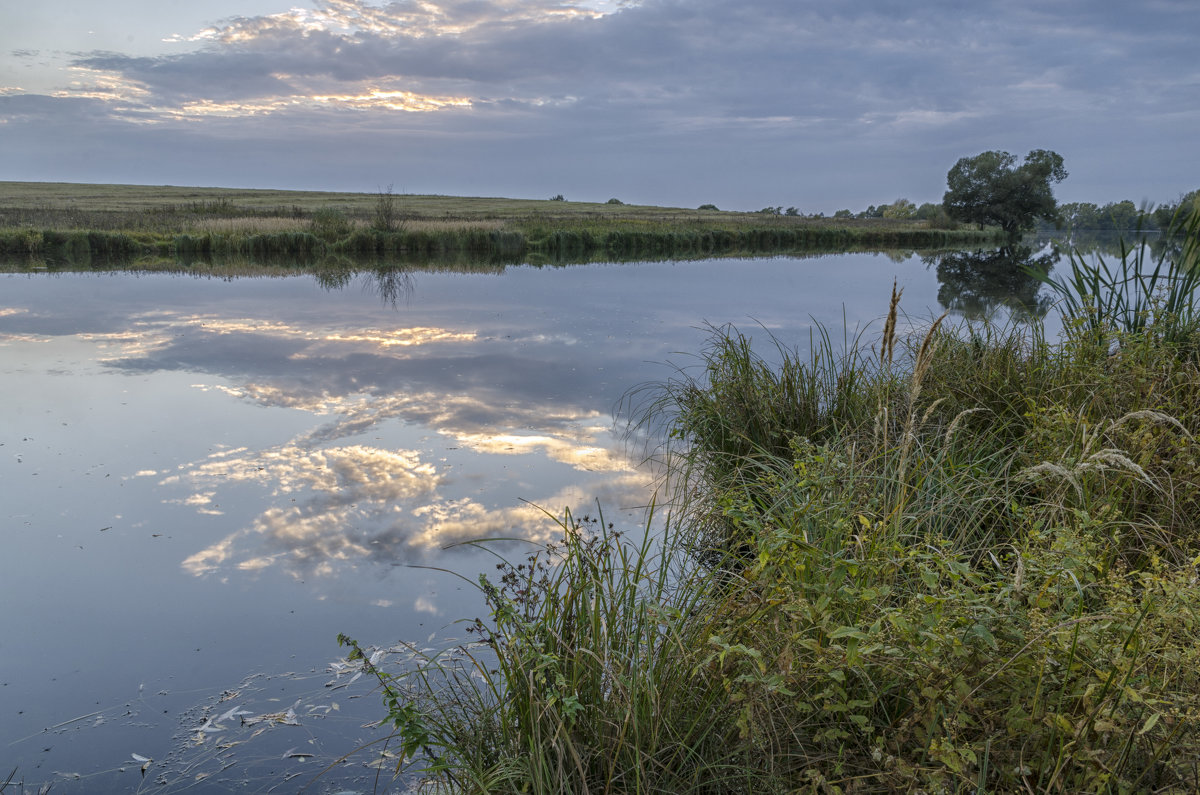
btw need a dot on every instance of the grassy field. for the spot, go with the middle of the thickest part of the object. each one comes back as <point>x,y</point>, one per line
<point>96,225</point>
<point>59,200</point>
<point>963,561</point>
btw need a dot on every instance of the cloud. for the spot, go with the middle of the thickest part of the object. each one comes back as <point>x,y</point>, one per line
<point>758,59</point>
<point>368,56</point>
<point>468,386</point>
<point>663,97</point>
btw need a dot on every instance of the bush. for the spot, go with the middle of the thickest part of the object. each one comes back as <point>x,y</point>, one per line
<point>386,217</point>
<point>979,575</point>
<point>330,224</point>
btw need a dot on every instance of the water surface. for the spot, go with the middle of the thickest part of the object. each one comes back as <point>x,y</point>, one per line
<point>205,481</point>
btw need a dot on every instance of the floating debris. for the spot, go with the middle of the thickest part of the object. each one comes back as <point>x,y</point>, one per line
<point>288,718</point>
<point>145,760</point>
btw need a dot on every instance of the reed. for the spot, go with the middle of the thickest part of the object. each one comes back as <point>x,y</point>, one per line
<point>1138,292</point>
<point>286,240</point>
<point>959,560</point>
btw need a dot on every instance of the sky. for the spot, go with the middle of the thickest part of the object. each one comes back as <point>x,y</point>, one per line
<point>739,103</point>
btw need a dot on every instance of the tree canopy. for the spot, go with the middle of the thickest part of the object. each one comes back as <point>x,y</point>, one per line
<point>992,189</point>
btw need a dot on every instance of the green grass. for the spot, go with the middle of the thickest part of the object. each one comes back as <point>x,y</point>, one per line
<point>145,225</point>
<point>979,575</point>
<point>580,680</point>
<point>961,561</point>
<point>1144,289</point>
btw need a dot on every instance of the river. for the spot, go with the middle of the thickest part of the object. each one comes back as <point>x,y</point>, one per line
<point>206,480</point>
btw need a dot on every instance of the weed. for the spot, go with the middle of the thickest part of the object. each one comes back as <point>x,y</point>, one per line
<point>584,677</point>
<point>962,560</point>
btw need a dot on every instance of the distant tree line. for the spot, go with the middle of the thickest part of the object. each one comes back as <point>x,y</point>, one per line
<point>1071,217</point>
<point>901,209</point>
<point>1122,216</point>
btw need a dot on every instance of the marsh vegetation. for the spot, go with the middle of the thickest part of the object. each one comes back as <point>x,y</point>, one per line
<point>86,225</point>
<point>957,560</point>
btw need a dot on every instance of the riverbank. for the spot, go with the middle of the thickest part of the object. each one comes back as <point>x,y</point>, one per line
<point>99,225</point>
<point>958,560</point>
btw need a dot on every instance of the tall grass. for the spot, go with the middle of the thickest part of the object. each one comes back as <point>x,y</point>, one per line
<point>580,680</point>
<point>983,576</point>
<point>958,561</point>
<point>1137,292</point>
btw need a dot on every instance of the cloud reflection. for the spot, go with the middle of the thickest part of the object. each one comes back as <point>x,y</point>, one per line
<point>330,529</point>
<point>334,501</point>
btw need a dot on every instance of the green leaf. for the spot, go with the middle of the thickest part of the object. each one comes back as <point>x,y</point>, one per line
<point>848,632</point>
<point>1150,723</point>
<point>985,635</point>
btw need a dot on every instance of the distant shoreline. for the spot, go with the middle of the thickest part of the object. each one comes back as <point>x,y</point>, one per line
<point>86,225</point>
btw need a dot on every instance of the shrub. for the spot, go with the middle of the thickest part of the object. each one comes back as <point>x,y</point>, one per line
<point>981,577</point>
<point>386,217</point>
<point>330,224</point>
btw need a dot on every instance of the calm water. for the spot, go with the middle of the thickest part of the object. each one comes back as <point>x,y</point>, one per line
<point>205,481</point>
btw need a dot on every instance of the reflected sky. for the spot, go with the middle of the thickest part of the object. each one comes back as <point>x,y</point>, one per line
<point>206,478</point>
<point>473,397</point>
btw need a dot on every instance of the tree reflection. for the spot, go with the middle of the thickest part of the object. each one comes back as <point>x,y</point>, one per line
<point>976,284</point>
<point>390,282</point>
<point>333,273</point>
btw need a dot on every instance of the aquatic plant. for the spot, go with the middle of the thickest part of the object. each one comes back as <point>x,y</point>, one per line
<point>1136,293</point>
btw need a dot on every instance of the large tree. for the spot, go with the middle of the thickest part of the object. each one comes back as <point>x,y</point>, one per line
<point>992,189</point>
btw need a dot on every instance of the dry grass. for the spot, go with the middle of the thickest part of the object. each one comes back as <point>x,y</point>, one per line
<point>250,225</point>
<point>85,198</point>
<point>92,223</point>
<point>426,225</point>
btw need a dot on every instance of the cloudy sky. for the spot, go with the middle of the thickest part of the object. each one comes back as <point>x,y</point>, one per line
<point>741,103</point>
